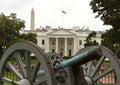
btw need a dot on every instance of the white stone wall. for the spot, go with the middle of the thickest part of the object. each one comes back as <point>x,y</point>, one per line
<point>39,42</point>
<point>50,36</point>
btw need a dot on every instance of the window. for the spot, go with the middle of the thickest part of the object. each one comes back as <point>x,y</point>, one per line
<point>53,50</point>
<point>53,43</point>
<point>70,42</point>
<point>70,52</point>
<point>61,53</point>
<point>80,42</point>
<point>43,42</point>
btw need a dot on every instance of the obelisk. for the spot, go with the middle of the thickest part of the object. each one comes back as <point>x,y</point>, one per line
<point>32,24</point>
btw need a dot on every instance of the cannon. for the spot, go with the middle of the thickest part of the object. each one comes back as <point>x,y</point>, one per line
<point>77,60</point>
<point>31,66</point>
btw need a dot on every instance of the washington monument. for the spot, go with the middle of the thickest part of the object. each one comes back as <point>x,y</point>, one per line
<point>32,24</point>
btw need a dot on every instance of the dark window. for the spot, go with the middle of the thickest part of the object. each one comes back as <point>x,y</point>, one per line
<point>80,42</point>
<point>69,52</point>
<point>43,42</point>
<point>61,53</point>
<point>53,50</point>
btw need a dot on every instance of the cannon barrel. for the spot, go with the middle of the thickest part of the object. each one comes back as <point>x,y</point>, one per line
<point>88,55</point>
<point>82,58</point>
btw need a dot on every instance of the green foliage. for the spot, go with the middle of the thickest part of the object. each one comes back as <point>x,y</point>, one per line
<point>111,40</point>
<point>89,41</point>
<point>9,27</point>
<point>67,57</point>
<point>108,11</point>
<point>29,37</point>
<point>9,31</point>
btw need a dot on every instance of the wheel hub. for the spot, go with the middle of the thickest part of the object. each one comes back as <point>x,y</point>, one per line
<point>24,82</point>
<point>89,80</point>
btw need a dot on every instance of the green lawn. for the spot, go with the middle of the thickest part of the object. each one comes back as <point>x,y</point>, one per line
<point>7,84</point>
<point>10,76</point>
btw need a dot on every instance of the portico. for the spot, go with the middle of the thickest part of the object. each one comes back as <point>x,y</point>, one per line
<point>62,45</point>
<point>63,41</point>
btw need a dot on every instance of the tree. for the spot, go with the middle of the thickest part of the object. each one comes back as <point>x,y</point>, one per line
<point>9,28</point>
<point>107,39</point>
<point>111,39</point>
<point>89,41</point>
<point>9,31</point>
<point>29,37</point>
<point>108,11</point>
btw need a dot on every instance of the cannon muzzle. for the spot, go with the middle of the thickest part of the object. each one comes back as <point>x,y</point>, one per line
<point>82,58</point>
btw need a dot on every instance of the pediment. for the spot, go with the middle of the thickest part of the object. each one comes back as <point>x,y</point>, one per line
<point>62,32</point>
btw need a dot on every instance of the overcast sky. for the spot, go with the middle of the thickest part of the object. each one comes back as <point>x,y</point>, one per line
<point>49,12</point>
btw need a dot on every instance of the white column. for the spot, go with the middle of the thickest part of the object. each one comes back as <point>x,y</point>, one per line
<point>56,45</point>
<point>74,46</point>
<point>48,45</point>
<point>65,46</point>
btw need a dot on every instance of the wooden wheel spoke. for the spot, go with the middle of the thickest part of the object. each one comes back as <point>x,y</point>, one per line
<point>35,71</point>
<point>89,68</point>
<point>8,80</point>
<point>102,84</point>
<point>98,66</point>
<point>28,64</point>
<point>13,70</point>
<point>103,74</point>
<point>20,64</point>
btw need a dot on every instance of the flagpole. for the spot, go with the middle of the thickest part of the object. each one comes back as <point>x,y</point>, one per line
<point>63,12</point>
<point>62,19</point>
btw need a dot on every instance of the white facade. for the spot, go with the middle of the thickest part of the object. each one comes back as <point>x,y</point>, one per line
<point>66,42</point>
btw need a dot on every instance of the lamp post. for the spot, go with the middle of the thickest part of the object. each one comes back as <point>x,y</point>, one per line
<point>116,48</point>
<point>4,48</point>
<point>2,51</point>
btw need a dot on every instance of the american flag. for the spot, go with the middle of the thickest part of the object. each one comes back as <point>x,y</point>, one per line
<point>64,12</point>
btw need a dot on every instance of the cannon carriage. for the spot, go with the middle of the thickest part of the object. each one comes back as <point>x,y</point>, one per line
<point>38,68</point>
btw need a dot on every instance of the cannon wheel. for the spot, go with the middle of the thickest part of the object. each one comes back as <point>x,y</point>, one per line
<point>94,72</point>
<point>55,58</point>
<point>21,54</point>
<point>63,76</point>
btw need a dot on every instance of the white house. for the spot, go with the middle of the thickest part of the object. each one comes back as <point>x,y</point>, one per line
<point>66,42</point>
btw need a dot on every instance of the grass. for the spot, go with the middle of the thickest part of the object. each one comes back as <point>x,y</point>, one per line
<point>10,76</point>
<point>6,83</point>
